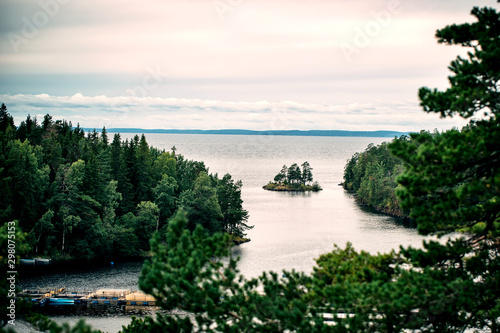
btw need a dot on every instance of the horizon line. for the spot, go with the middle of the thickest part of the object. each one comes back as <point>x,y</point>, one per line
<point>376,133</point>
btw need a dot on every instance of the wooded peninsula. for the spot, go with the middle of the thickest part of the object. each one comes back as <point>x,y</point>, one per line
<point>78,195</point>
<point>372,175</point>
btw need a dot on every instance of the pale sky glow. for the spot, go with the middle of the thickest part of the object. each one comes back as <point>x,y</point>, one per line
<point>250,64</point>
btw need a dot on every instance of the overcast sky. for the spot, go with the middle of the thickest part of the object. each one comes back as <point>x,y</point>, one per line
<point>211,64</point>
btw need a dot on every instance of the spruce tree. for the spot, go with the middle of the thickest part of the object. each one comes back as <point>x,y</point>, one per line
<point>6,119</point>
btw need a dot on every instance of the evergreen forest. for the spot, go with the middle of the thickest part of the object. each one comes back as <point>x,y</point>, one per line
<point>84,195</point>
<point>372,174</point>
<point>448,182</point>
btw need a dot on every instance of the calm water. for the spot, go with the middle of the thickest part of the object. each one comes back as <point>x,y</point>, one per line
<point>291,230</point>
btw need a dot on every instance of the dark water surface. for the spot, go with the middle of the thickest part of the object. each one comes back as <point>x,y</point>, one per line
<point>291,230</point>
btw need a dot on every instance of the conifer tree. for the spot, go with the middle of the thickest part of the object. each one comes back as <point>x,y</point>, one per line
<point>201,205</point>
<point>144,181</point>
<point>165,197</point>
<point>231,204</point>
<point>116,157</point>
<point>451,184</point>
<point>282,175</point>
<point>307,175</point>
<point>6,119</point>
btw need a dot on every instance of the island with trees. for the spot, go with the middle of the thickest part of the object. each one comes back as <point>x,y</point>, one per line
<point>294,178</point>
<point>450,183</point>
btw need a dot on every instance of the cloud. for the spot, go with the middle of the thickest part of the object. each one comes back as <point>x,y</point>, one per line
<point>181,113</point>
<point>263,65</point>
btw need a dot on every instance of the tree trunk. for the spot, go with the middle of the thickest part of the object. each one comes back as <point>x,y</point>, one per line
<point>64,233</point>
<point>38,243</point>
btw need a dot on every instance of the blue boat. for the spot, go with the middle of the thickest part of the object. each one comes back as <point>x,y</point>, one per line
<point>61,301</point>
<point>27,262</point>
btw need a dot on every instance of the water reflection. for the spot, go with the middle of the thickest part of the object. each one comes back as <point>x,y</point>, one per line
<point>299,194</point>
<point>123,275</point>
<point>389,221</point>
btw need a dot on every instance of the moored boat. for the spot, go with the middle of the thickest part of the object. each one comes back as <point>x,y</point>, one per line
<point>27,262</point>
<point>61,301</point>
<point>42,261</point>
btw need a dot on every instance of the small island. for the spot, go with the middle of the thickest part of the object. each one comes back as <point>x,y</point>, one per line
<point>294,178</point>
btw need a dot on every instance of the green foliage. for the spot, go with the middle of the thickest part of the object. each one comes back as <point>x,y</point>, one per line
<point>294,175</point>
<point>316,187</point>
<point>282,175</point>
<point>146,222</point>
<point>78,196</point>
<point>164,194</point>
<point>294,178</point>
<point>43,227</point>
<point>234,217</point>
<point>450,183</point>
<point>188,273</point>
<point>27,181</point>
<point>307,176</point>
<point>474,83</point>
<point>372,175</point>
<point>6,119</point>
<point>452,180</point>
<point>287,187</point>
<point>430,289</point>
<point>144,165</point>
<point>201,205</point>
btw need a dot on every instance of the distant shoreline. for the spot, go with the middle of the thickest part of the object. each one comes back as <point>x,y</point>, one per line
<point>372,134</point>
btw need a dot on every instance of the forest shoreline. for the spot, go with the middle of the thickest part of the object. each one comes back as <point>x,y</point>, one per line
<point>407,220</point>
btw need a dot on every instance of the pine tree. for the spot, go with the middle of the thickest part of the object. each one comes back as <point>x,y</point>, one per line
<point>451,181</point>
<point>282,175</point>
<point>104,138</point>
<point>116,157</point>
<point>201,205</point>
<point>231,204</point>
<point>28,180</point>
<point>165,198</point>
<point>307,175</point>
<point>6,119</point>
<point>127,182</point>
<point>144,180</point>
<point>451,184</point>
<point>294,174</point>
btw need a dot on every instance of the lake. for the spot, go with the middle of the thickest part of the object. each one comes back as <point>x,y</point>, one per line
<point>291,229</point>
